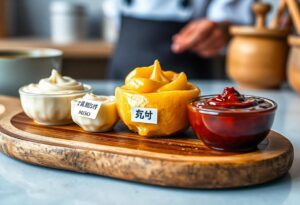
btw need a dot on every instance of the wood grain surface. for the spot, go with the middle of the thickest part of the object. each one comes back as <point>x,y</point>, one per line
<point>178,161</point>
<point>88,49</point>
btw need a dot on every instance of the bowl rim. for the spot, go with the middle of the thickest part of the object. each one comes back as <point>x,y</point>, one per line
<point>258,32</point>
<point>33,53</point>
<point>229,111</point>
<point>87,89</point>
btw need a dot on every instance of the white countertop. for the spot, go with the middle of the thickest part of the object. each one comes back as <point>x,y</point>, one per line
<point>24,184</point>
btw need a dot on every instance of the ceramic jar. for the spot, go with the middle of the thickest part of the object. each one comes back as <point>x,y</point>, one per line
<point>68,22</point>
<point>257,55</point>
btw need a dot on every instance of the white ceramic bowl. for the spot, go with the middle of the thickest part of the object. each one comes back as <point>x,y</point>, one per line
<point>21,66</point>
<point>50,109</point>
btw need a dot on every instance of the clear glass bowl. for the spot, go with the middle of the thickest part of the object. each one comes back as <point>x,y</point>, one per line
<point>237,129</point>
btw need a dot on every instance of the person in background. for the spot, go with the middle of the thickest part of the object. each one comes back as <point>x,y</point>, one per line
<point>183,34</point>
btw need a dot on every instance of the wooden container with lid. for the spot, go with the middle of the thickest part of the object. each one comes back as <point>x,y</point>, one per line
<point>294,42</point>
<point>294,63</point>
<point>257,55</point>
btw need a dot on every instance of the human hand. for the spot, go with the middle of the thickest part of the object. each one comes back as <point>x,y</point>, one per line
<point>204,37</point>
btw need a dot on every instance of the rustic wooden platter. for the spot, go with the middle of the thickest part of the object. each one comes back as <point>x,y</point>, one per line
<point>180,161</point>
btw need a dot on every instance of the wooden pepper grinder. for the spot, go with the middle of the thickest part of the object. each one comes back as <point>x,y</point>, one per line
<point>257,54</point>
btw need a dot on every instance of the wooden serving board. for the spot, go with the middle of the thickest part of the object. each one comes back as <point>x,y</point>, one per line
<point>178,161</point>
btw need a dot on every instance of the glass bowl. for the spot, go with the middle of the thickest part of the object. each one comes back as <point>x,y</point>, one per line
<point>231,129</point>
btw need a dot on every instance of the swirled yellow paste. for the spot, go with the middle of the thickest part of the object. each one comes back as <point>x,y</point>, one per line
<point>153,79</point>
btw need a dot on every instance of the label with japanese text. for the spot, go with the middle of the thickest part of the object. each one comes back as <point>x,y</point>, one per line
<point>145,115</point>
<point>87,108</point>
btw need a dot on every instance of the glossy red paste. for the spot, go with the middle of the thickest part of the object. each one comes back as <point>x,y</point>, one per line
<point>231,121</point>
<point>230,99</point>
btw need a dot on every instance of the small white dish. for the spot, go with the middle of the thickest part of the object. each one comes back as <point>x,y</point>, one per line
<point>50,109</point>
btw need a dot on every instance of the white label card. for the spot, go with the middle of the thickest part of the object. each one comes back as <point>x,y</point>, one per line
<point>87,108</point>
<point>145,115</point>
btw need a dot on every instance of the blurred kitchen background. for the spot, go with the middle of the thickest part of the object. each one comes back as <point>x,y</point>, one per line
<point>28,23</point>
